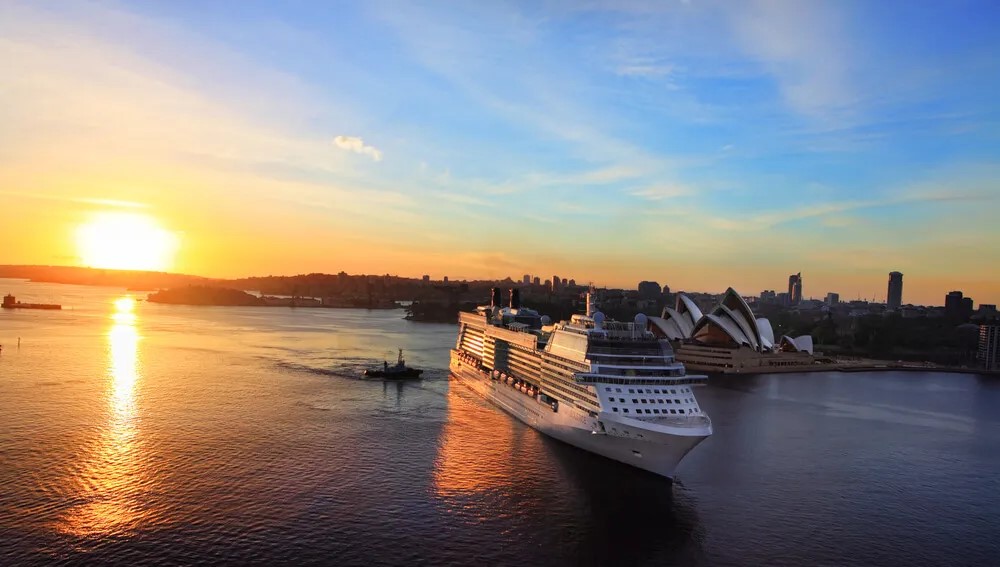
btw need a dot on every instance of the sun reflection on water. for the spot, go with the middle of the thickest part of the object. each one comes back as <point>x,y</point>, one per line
<point>110,482</point>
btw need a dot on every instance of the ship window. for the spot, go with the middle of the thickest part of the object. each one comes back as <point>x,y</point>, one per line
<point>673,391</point>
<point>635,401</point>
<point>669,401</point>
<point>656,411</point>
<point>673,411</point>
<point>643,401</point>
<point>607,389</point>
<point>647,411</point>
<point>656,391</point>
<point>618,390</point>
<point>631,391</point>
<point>614,410</point>
<point>624,410</point>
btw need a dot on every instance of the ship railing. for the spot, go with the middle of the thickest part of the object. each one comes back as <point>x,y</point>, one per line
<point>625,351</point>
<point>668,364</point>
<point>690,421</point>
<point>608,379</point>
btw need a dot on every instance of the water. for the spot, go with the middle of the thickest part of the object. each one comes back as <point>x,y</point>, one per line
<point>186,435</point>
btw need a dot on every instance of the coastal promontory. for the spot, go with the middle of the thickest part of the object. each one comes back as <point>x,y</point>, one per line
<point>204,295</point>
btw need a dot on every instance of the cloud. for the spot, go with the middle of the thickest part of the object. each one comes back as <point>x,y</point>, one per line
<point>82,200</point>
<point>806,47</point>
<point>358,146</point>
<point>661,192</point>
<point>646,67</point>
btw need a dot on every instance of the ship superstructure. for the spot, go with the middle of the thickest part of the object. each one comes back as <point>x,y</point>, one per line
<point>609,387</point>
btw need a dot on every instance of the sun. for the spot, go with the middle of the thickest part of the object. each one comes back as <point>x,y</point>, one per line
<point>125,241</point>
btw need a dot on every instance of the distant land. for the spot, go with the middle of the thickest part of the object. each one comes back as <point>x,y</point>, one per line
<point>848,329</point>
<point>128,279</point>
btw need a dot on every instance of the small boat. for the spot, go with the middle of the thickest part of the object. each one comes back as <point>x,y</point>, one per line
<point>400,370</point>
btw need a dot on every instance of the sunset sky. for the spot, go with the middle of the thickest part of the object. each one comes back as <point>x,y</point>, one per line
<point>701,144</point>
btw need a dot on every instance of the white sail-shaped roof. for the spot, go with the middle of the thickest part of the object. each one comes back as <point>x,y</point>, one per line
<point>797,344</point>
<point>740,322</point>
<point>683,321</point>
<point>766,332</point>
<point>684,304</point>
<point>741,313</point>
<point>669,328</point>
<point>703,330</point>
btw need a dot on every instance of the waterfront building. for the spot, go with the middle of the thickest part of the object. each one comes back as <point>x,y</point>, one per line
<point>536,281</point>
<point>832,298</point>
<point>989,346</point>
<point>572,283</point>
<point>426,279</point>
<point>795,288</point>
<point>894,299</point>
<point>527,279</point>
<point>728,338</point>
<point>555,283</point>
<point>768,296</point>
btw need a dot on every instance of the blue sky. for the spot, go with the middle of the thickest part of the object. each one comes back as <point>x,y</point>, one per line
<point>703,144</point>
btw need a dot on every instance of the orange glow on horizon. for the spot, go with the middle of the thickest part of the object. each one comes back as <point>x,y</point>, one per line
<point>125,241</point>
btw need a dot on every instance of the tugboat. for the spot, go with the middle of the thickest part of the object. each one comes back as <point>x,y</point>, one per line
<point>399,371</point>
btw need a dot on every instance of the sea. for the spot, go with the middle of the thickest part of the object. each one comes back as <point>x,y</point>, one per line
<point>134,433</point>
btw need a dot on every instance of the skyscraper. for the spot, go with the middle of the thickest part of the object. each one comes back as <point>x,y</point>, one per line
<point>989,346</point>
<point>957,307</point>
<point>895,297</point>
<point>527,279</point>
<point>795,288</point>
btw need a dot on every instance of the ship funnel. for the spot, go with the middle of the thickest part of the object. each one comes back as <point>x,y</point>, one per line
<point>495,300</point>
<point>515,298</point>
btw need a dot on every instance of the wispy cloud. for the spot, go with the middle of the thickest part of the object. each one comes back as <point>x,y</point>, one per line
<point>117,203</point>
<point>661,192</point>
<point>358,146</point>
<point>805,46</point>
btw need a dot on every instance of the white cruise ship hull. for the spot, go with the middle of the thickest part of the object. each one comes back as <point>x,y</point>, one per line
<point>628,441</point>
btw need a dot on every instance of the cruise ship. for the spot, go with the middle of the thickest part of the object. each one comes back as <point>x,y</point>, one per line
<point>608,387</point>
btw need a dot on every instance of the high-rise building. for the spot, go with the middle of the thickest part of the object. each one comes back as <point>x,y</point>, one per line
<point>832,298</point>
<point>572,283</point>
<point>527,279</point>
<point>445,279</point>
<point>555,283</point>
<point>895,297</point>
<point>649,290</point>
<point>427,279</point>
<point>795,288</point>
<point>957,307</point>
<point>536,280</point>
<point>967,308</point>
<point>666,289</point>
<point>989,346</point>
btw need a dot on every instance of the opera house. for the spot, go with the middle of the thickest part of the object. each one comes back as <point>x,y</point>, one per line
<point>729,339</point>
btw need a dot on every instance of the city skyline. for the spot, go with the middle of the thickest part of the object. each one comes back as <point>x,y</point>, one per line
<point>480,141</point>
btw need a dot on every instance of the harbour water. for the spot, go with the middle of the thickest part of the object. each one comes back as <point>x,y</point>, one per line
<point>154,434</point>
